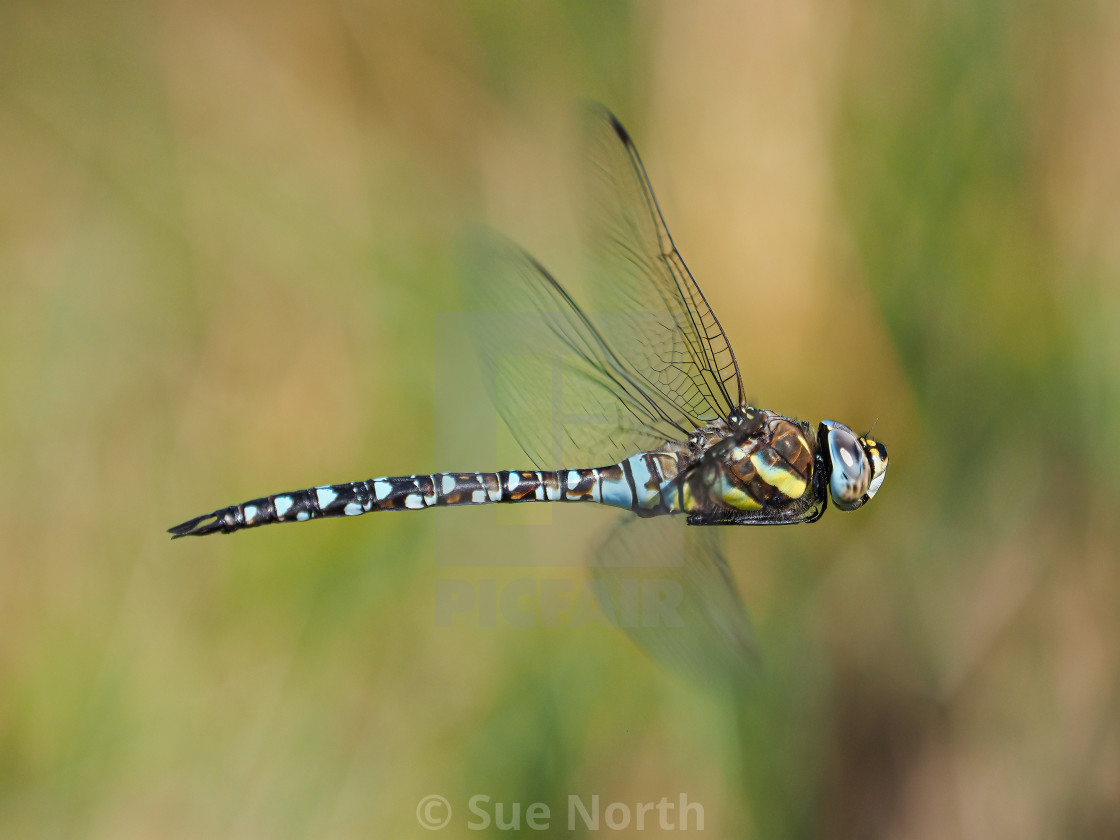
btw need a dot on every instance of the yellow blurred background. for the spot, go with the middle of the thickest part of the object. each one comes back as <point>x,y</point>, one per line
<point>227,252</point>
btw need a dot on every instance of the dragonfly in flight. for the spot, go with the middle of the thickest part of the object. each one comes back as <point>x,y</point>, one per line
<point>660,406</point>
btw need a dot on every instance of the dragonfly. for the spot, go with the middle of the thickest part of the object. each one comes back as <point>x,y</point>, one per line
<point>650,389</point>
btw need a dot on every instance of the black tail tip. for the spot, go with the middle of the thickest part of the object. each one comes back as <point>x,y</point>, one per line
<point>199,526</point>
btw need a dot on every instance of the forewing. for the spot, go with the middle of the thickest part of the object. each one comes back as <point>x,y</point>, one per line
<point>668,586</point>
<point>567,397</point>
<point>637,272</point>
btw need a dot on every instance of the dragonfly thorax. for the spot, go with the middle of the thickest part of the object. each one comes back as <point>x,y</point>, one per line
<point>758,468</point>
<point>776,463</point>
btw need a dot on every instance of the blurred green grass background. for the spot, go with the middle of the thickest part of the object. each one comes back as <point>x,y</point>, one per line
<point>226,245</point>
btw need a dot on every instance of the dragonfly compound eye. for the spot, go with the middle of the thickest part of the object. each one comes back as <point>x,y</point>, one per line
<point>851,471</point>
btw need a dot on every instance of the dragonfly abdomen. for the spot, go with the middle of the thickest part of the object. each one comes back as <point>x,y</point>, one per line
<point>634,484</point>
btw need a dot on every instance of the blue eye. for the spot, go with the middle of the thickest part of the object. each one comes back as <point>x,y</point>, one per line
<point>851,471</point>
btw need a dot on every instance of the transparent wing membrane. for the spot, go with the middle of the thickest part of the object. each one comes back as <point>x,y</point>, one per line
<point>649,364</point>
<point>637,271</point>
<point>668,586</point>
<point>568,398</point>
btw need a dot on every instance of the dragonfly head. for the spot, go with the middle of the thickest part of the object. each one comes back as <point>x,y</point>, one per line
<point>857,465</point>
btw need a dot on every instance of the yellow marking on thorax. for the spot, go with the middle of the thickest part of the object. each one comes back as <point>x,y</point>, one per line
<point>736,497</point>
<point>689,499</point>
<point>781,478</point>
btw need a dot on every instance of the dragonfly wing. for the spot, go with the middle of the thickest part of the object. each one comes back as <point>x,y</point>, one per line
<point>659,319</point>
<point>566,395</point>
<point>668,586</point>
<point>649,364</point>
